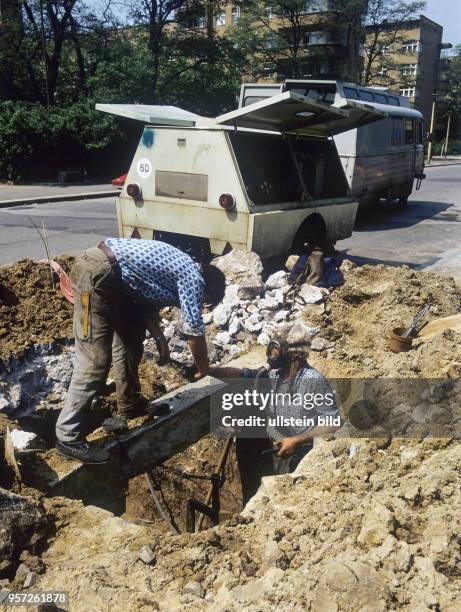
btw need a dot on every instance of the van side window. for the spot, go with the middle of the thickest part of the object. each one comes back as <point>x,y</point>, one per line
<point>419,132</point>
<point>394,100</point>
<point>381,98</point>
<point>252,100</point>
<point>366,96</point>
<point>396,131</point>
<point>351,93</point>
<point>409,132</point>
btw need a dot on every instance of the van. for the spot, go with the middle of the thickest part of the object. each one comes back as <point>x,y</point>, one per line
<point>381,160</point>
<point>260,178</point>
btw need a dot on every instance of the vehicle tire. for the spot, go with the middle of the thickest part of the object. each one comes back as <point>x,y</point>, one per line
<point>405,194</point>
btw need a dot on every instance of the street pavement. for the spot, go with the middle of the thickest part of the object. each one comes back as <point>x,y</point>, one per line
<point>71,227</point>
<point>427,233</point>
<point>424,235</point>
<point>15,194</point>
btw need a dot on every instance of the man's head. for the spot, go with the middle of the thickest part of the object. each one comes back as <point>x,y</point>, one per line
<point>293,344</point>
<point>215,284</point>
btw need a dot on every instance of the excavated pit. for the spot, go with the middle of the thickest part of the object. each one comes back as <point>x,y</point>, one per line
<point>32,390</point>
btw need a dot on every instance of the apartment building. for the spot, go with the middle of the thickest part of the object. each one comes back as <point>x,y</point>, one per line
<point>411,64</point>
<point>326,45</point>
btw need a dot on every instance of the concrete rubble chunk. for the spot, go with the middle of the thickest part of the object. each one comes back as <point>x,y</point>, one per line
<point>277,280</point>
<point>277,294</point>
<point>268,303</point>
<point>251,287</point>
<point>146,555</point>
<point>235,326</point>
<point>30,580</point>
<point>221,314</point>
<point>222,338</point>
<point>253,327</point>
<point>194,588</point>
<point>231,297</point>
<point>308,294</point>
<point>281,315</point>
<point>23,440</point>
<point>238,265</point>
<point>319,344</point>
<point>263,339</point>
<point>207,318</point>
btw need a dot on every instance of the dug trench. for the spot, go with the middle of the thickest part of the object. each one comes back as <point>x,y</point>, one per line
<point>368,521</point>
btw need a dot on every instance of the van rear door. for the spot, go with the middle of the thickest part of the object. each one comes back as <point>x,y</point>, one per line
<point>290,112</point>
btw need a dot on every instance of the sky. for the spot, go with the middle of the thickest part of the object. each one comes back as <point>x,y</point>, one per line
<point>448,14</point>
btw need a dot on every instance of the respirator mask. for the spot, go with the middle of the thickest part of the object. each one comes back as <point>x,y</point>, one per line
<point>276,354</point>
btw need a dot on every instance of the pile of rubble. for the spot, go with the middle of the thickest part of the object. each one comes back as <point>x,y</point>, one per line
<point>252,310</point>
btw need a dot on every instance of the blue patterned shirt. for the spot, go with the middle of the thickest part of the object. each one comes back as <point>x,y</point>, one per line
<point>162,275</point>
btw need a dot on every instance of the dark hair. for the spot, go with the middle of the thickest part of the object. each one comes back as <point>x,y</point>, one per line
<point>215,284</point>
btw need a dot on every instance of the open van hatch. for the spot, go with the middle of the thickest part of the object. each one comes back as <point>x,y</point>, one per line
<point>290,112</point>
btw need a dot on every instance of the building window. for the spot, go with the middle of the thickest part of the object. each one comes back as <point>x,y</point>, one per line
<point>268,72</point>
<point>409,69</point>
<point>383,49</point>
<point>408,92</point>
<point>382,71</point>
<point>221,19</point>
<point>315,6</point>
<point>314,38</point>
<point>412,46</point>
<point>235,14</point>
<point>270,11</point>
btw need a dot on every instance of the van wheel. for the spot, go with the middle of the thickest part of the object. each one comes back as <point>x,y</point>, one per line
<point>406,193</point>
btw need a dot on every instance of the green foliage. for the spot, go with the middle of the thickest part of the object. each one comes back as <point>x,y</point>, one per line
<point>454,147</point>
<point>35,141</point>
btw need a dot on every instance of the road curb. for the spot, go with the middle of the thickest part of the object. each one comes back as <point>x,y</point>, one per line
<point>91,195</point>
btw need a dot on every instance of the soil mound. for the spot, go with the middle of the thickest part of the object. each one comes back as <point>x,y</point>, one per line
<point>31,312</point>
<point>366,526</point>
<point>361,314</point>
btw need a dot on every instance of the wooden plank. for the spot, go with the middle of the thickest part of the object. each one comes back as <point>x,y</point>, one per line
<point>438,326</point>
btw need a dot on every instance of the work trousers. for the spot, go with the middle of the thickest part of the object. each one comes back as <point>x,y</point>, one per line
<point>108,329</point>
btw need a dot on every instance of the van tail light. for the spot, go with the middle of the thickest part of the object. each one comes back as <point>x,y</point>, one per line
<point>227,201</point>
<point>134,191</point>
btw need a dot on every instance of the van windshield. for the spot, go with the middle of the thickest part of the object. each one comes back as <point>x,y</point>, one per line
<point>267,168</point>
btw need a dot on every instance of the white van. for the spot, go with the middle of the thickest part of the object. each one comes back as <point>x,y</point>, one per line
<point>256,179</point>
<point>381,160</point>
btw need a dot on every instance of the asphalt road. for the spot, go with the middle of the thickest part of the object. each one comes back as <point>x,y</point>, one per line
<point>425,234</point>
<point>71,227</point>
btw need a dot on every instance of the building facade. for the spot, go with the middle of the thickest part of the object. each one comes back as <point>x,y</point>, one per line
<point>316,42</point>
<point>411,64</point>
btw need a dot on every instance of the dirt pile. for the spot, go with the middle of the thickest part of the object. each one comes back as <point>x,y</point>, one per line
<point>367,526</point>
<point>31,312</point>
<point>359,316</point>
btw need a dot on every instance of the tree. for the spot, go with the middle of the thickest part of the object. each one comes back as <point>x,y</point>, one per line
<point>386,25</point>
